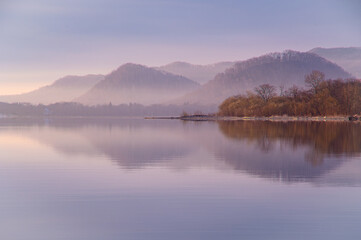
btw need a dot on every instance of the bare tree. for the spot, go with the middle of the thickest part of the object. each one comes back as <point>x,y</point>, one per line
<point>293,92</point>
<point>314,79</point>
<point>265,91</point>
<point>282,90</point>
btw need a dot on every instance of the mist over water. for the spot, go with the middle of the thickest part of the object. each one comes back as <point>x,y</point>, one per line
<point>93,95</point>
<point>161,179</point>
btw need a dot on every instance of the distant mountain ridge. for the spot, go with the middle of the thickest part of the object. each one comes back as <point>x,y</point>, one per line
<point>198,73</point>
<point>279,69</point>
<point>179,82</point>
<point>348,58</point>
<point>62,90</point>
<point>134,83</point>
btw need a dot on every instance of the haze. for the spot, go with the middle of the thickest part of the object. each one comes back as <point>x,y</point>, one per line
<point>42,41</point>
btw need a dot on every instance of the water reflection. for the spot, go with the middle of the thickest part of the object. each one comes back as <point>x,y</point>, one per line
<point>294,151</point>
<point>90,179</point>
<point>289,151</point>
<point>326,139</point>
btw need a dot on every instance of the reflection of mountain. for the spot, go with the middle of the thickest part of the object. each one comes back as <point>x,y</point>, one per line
<point>295,151</point>
<point>291,151</point>
<point>348,174</point>
<point>138,147</point>
<point>131,143</point>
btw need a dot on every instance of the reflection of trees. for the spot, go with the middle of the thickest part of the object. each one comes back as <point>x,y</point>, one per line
<point>290,151</point>
<point>287,151</point>
<point>325,138</point>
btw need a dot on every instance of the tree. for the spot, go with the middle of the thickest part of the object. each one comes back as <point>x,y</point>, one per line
<point>314,79</point>
<point>332,97</point>
<point>282,90</point>
<point>265,91</point>
<point>293,92</point>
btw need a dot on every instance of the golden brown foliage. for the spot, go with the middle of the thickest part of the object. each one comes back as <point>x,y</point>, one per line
<point>325,98</point>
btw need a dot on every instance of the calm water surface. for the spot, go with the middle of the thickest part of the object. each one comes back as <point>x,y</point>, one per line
<point>160,179</point>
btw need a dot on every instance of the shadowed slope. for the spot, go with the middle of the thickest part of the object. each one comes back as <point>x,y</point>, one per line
<point>278,69</point>
<point>132,83</point>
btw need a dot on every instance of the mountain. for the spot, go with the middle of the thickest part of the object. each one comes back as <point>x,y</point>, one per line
<point>279,69</point>
<point>198,73</point>
<point>348,58</point>
<point>132,83</point>
<point>62,90</point>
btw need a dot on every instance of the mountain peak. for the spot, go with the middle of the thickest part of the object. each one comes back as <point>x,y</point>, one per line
<point>279,69</point>
<point>180,64</point>
<point>195,72</point>
<point>62,90</point>
<point>130,67</point>
<point>285,55</point>
<point>348,58</point>
<point>72,81</point>
<point>135,83</point>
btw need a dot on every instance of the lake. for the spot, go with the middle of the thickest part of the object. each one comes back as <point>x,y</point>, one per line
<point>91,179</point>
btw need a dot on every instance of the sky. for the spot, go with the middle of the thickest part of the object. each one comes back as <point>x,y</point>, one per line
<point>43,40</point>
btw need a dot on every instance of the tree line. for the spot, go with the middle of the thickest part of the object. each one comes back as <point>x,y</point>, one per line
<point>76,109</point>
<point>321,98</point>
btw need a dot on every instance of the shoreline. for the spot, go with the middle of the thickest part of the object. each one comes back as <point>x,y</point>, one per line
<point>272,118</point>
<point>203,118</point>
